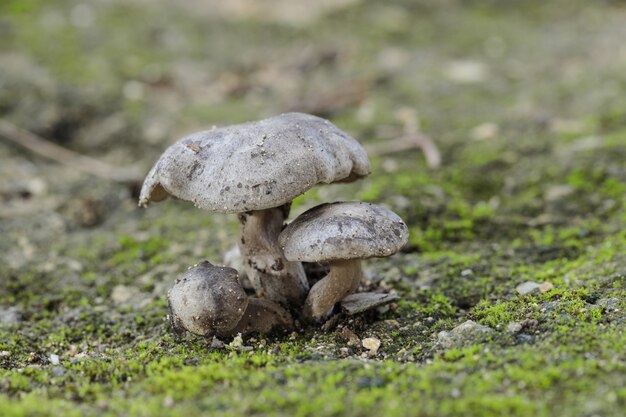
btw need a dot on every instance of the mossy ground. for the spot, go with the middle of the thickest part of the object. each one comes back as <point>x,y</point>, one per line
<point>526,101</point>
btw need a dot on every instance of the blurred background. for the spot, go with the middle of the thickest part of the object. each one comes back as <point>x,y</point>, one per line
<point>524,101</point>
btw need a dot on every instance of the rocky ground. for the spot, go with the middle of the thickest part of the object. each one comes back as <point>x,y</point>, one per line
<point>512,288</point>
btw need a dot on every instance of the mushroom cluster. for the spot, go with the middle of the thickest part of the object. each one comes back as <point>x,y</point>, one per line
<point>255,170</point>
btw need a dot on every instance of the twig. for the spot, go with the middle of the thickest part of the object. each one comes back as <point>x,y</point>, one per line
<point>47,149</point>
<point>406,143</point>
<point>411,139</point>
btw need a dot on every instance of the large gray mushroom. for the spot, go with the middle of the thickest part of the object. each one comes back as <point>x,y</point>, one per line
<point>256,169</point>
<point>341,233</point>
<point>208,301</point>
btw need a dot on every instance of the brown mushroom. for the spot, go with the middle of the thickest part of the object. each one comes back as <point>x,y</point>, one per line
<point>207,300</point>
<point>256,169</point>
<point>341,233</point>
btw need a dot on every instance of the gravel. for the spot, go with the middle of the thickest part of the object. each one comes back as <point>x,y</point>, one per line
<point>10,315</point>
<point>464,334</point>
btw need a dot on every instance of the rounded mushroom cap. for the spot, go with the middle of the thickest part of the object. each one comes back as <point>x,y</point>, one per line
<point>343,230</point>
<point>207,299</point>
<point>255,165</point>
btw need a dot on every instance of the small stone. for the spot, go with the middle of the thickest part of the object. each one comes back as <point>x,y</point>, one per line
<point>528,287</point>
<point>54,359</point>
<point>344,352</point>
<point>529,323</point>
<point>558,192</point>
<point>466,71</point>
<point>514,327</point>
<point>350,337</point>
<point>122,293</point>
<point>168,401</point>
<point>237,342</point>
<point>372,344</point>
<point>485,131</point>
<point>216,343</point>
<point>4,353</point>
<point>525,339</point>
<point>430,321</point>
<point>58,371</point>
<point>10,315</point>
<point>331,323</point>
<point>73,351</point>
<point>549,307</point>
<point>393,323</point>
<point>546,286</point>
<point>464,334</point>
<point>384,308</point>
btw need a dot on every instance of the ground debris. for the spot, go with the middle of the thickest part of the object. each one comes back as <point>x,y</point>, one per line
<point>464,334</point>
<point>363,301</point>
<point>530,287</point>
<point>372,344</point>
<point>10,315</point>
<point>349,336</point>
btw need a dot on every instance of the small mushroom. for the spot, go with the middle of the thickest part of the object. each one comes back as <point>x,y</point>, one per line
<point>341,233</point>
<point>208,301</point>
<point>256,169</point>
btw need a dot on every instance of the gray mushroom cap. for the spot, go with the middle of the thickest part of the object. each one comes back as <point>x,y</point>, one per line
<point>207,299</point>
<point>342,231</point>
<point>255,165</point>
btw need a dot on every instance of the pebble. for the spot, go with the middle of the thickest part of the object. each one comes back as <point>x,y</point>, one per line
<point>216,343</point>
<point>465,333</point>
<point>10,315</point>
<point>466,71</point>
<point>350,337</point>
<point>485,131</point>
<point>344,352</point>
<point>525,339</point>
<point>514,327</point>
<point>531,287</point>
<point>372,344</point>
<point>122,293</point>
<point>558,192</point>
<point>237,342</point>
<point>54,359</point>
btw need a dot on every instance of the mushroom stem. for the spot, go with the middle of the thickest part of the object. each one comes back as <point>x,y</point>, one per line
<point>342,280</point>
<point>272,276</point>
<point>261,316</point>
